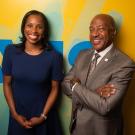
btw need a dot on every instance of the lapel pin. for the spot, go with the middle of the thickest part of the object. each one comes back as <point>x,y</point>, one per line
<point>105,59</point>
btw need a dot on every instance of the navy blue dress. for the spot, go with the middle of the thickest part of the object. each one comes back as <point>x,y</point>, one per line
<point>31,85</point>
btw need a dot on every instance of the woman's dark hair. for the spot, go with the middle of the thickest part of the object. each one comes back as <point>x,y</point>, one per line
<point>44,41</point>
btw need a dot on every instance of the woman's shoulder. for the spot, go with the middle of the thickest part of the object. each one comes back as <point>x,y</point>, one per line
<point>12,48</point>
<point>55,53</point>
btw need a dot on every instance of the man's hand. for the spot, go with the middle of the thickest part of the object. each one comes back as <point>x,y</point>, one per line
<point>106,91</point>
<point>73,81</point>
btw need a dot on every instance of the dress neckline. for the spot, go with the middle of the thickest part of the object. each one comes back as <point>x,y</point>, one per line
<point>42,52</point>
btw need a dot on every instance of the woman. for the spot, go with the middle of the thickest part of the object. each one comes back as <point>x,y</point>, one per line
<point>32,72</point>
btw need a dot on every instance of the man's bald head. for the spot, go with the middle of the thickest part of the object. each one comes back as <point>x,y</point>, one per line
<point>102,31</point>
<point>109,21</point>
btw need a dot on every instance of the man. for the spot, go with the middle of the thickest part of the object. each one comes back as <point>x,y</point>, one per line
<point>98,82</point>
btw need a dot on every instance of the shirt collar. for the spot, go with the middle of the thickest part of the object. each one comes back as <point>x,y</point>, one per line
<point>102,53</point>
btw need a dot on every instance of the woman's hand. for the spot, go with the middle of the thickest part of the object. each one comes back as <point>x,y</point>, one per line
<point>36,121</point>
<point>22,121</point>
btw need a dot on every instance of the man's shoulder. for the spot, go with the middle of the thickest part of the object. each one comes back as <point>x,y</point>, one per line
<point>123,55</point>
<point>84,55</point>
<point>86,51</point>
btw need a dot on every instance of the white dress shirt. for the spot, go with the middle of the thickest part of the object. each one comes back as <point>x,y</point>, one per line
<point>103,53</point>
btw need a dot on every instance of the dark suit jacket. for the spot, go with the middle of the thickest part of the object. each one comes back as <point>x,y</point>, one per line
<point>97,115</point>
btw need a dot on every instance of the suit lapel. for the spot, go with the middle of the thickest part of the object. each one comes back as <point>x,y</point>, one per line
<point>87,62</point>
